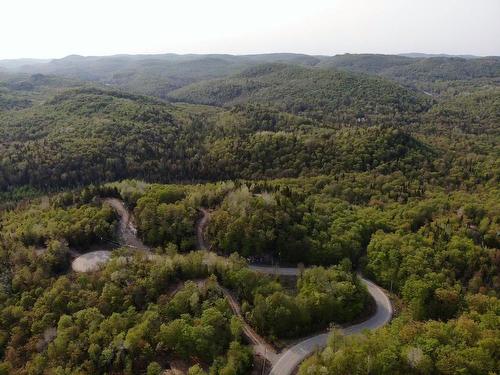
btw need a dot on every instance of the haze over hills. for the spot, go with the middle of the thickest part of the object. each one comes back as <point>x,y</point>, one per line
<point>18,64</point>
<point>419,55</point>
<point>141,167</point>
<point>154,73</point>
<point>159,74</point>
<point>418,71</point>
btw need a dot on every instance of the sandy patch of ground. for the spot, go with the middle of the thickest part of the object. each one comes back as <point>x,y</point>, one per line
<point>90,261</point>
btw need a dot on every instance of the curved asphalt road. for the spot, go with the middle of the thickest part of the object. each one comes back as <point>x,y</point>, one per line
<point>286,362</point>
<point>292,357</point>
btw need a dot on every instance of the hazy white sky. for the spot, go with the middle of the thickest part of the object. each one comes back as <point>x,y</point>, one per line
<point>56,28</point>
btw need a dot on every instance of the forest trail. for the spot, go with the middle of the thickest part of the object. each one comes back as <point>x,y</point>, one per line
<point>259,344</point>
<point>286,362</point>
<point>127,236</point>
<point>200,229</point>
<point>127,231</point>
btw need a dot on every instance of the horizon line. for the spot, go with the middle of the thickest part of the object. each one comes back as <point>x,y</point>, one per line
<point>403,54</point>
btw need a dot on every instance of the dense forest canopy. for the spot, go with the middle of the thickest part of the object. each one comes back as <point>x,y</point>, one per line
<point>90,135</point>
<point>318,92</point>
<point>383,165</point>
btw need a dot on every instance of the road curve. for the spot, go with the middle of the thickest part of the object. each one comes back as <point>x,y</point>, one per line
<point>285,363</point>
<point>292,357</point>
<point>127,236</point>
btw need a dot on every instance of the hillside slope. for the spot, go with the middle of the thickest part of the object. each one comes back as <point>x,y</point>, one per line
<point>416,69</point>
<point>89,135</point>
<point>319,92</point>
<point>439,76</point>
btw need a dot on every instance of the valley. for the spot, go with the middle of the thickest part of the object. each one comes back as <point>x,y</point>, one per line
<point>249,214</point>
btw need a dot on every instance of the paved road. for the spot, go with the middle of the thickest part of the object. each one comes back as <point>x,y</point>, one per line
<point>271,270</point>
<point>292,357</point>
<point>285,363</point>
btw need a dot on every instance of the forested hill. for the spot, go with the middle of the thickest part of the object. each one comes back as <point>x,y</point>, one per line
<point>407,68</point>
<point>158,75</point>
<point>432,74</point>
<point>285,118</point>
<point>317,92</point>
<point>89,135</point>
<point>19,91</point>
<point>367,63</point>
<point>151,74</point>
<point>475,112</point>
<point>292,164</point>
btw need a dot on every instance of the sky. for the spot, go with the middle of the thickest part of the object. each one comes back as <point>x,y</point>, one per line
<point>57,28</point>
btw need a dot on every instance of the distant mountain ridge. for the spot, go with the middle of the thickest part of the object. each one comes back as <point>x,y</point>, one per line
<point>158,75</point>
<point>428,55</point>
<point>16,64</point>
